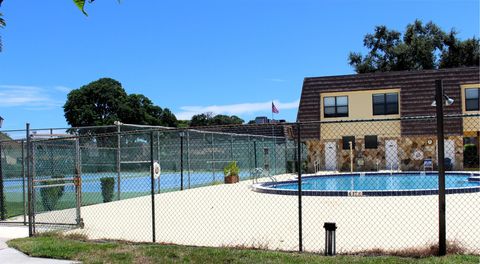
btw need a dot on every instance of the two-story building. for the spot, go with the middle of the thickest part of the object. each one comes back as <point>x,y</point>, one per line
<point>395,132</point>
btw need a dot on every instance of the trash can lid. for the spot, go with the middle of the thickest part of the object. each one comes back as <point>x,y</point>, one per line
<point>330,226</point>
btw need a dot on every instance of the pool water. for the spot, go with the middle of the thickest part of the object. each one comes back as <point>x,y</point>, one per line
<point>377,182</point>
<point>374,184</point>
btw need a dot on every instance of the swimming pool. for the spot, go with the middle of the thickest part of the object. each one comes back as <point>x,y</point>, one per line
<point>374,184</point>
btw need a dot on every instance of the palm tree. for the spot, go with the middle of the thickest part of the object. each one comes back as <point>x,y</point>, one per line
<point>2,25</point>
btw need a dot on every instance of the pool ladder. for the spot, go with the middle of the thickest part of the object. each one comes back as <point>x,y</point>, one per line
<point>259,173</point>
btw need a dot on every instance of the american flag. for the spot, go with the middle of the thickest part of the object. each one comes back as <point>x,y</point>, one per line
<point>274,109</point>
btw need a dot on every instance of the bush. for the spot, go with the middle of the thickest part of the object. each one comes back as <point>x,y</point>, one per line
<point>291,166</point>
<point>51,195</point>
<point>108,183</point>
<point>470,155</point>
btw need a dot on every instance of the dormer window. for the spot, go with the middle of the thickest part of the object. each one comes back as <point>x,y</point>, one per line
<point>471,99</point>
<point>385,104</point>
<point>335,106</point>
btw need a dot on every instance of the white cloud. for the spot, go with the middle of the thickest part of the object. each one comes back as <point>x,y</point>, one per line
<point>32,97</point>
<point>235,109</point>
<point>63,89</point>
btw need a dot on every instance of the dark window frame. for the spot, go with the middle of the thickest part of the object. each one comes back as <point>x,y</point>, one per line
<point>370,144</point>
<point>384,109</point>
<point>335,107</point>
<point>345,140</point>
<point>472,99</point>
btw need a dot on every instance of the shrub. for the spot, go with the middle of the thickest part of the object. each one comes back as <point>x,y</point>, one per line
<point>291,166</point>
<point>108,184</point>
<point>51,195</point>
<point>304,165</point>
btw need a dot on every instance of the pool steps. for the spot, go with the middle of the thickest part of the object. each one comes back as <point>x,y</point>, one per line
<point>474,178</point>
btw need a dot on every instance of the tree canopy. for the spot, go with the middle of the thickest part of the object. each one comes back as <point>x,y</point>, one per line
<point>104,101</point>
<point>4,136</point>
<point>208,119</point>
<point>423,46</point>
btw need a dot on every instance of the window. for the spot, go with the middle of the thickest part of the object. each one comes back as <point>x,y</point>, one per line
<point>385,104</point>
<point>371,142</point>
<point>335,106</point>
<point>346,141</point>
<point>471,99</point>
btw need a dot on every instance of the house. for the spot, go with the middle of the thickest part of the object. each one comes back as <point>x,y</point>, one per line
<point>393,134</point>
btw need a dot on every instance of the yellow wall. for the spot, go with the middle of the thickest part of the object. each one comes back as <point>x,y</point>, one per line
<point>360,129</point>
<point>360,106</point>
<point>470,124</point>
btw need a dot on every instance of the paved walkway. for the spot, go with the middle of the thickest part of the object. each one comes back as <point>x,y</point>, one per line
<point>13,256</point>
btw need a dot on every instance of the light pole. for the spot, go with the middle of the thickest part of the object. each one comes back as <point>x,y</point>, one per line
<point>438,103</point>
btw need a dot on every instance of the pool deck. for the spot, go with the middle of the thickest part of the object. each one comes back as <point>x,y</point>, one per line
<point>234,215</point>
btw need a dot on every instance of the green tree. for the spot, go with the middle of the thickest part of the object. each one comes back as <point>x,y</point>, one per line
<point>97,103</point>
<point>422,47</point>
<point>460,53</point>
<point>104,101</point>
<point>4,136</point>
<point>168,118</point>
<point>208,119</point>
<point>200,120</point>
<point>226,120</point>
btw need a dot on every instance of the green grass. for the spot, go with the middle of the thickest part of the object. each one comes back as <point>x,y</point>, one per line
<point>75,248</point>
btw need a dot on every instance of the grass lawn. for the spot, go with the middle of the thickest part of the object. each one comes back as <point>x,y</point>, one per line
<point>64,247</point>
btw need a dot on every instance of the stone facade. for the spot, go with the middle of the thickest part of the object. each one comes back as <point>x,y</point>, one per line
<point>411,153</point>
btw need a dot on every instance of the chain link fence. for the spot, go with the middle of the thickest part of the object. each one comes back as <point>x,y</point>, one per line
<point>374,181</point>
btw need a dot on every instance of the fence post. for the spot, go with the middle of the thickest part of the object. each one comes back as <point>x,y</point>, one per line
<point>118,165</point>
<point>231,148</point>
<point>152,186</point>
<point>29,181</point>
<point>188,158</point>
<point>442,244</point>
<point>286,155</point>
<point>23,185</point>
<point>3,211</point>
<point>274,149</point>
<point>33,175</point>
<point>213,160</point>
<point>158,157</point>
<point>78,182</point>
<point>182,134</point>
<point>299,163</point>
<point>255,153</point>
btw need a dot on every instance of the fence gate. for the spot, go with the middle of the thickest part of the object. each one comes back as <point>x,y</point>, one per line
<point>54,184</point>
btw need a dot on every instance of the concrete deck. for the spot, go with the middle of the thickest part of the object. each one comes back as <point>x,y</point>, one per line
<point>234,215</point>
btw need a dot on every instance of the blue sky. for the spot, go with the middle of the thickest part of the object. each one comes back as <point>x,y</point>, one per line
<point>227,57</point>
